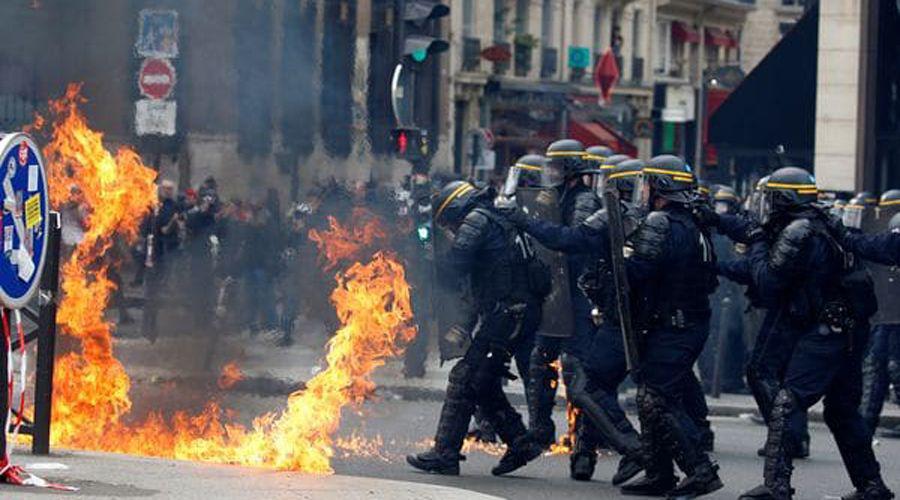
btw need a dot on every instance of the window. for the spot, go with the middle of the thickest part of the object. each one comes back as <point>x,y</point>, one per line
<point>598,30</point>
<point>522,16</point>
<point>499,21</point>
<point>663,42</point>
<point>547,23</point>
<point>712,56</point>
<point>468,18</point>
<point>636,33</point>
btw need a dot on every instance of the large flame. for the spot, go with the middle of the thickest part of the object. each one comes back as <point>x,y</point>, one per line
<point>114,192</point>
<point>91,400</point>
<point>340,243</point>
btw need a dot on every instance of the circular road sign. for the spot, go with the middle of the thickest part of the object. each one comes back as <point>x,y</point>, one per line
<point>156,78</point>
<point>25,218</point>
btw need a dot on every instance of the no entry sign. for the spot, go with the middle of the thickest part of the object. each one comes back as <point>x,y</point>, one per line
<point>156,78</point>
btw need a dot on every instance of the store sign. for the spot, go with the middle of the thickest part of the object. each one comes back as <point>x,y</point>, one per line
<point>680,104</point>
<point>579,57</point>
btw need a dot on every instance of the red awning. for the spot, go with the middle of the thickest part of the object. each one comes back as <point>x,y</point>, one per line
<point>683,33</point>
<point>601,134</point>
<point>719,37</point>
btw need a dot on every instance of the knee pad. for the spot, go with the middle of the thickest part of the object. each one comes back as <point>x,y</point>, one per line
<point>784,403</point>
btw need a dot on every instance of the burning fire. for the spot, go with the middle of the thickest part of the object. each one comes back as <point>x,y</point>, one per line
<point>91,397</point>
<point>231,375</point>
<point>339,243</point>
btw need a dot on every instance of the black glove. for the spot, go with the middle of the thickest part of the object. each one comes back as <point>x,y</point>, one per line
<point>705,215</point>
<point>511,211</point>
<point>836,228</point>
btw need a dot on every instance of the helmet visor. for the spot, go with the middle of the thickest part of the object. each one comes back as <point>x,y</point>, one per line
<point>765,207</point>
<point>554,173</point>
<point>852,217</point>
<point>640,198</point>
<point>722,207</point>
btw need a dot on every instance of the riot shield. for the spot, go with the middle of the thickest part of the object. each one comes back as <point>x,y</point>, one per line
<point>885,278</point>
<point>543,204</point>
<point>620,277</point>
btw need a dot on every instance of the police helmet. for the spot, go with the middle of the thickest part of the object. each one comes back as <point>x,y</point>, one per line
<point>622,176</point>
<point>787,189</point>
<point>889,198</point>
<point>597,155</point>
<point>705,190</point>
<point>894,224</point>
<point>866,198</point>
<point>530,171</point>
<point>565,160</point>
<point>668,177</point>
<point>726,200</point>
<point>454,201</point>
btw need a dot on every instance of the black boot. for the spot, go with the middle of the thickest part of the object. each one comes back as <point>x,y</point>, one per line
<point>703,481</point>
<point>629,466</point>
<point>874,490</point>
<point>651,485</point>
<point>541,396</point>
<point>761,492</point>
<point>436,463</point>
<point>582,464</point>
<point>524,450</point>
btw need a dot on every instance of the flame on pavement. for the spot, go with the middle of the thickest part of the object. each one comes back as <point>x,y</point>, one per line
<point>91,397</point>
<point>231,374</point>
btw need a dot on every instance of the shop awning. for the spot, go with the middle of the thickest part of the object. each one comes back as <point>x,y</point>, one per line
<point>775,105</point>
<point>683,33</point>
<point>595,133</point>
<point>719,38</point>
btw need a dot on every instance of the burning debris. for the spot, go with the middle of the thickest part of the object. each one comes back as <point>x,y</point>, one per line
<point>92,404</point>
<point>231,375</point>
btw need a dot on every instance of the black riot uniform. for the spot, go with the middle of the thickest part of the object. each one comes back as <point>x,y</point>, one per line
<point>881,365</point>
<point>577,201</point>
<point>818,302</point>
<point>668,247</point>
<point>500,278</point>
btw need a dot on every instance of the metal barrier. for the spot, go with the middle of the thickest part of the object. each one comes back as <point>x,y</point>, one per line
<point>44,316</point>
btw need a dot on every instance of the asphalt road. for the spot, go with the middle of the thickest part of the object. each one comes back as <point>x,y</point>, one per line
<point>405,427</point>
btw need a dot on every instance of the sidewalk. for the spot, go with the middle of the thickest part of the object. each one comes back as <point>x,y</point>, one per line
<point>106,475</point>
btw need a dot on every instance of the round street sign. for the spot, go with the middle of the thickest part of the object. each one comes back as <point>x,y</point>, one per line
<point>156,78</point>
<point>25,209</point>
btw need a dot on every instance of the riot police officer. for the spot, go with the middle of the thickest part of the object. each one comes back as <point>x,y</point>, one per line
<point>881,366</point>
<point>565,172</point>
<point>669,247</point>
<point>818,305</point>
<point>501,277</point>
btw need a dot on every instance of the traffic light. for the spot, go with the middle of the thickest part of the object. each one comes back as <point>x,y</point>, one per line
<point>419,47</point>
<point>420,41</point>
<point>410,143</point>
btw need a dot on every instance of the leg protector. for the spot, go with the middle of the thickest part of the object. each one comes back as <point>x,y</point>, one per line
<point>542,394</point>
<point>459,405</point>
<point>576,381</point>
<point>655,456</point>
<point>778,467</point>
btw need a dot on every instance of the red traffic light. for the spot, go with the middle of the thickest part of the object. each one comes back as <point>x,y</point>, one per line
<point>402,143</point>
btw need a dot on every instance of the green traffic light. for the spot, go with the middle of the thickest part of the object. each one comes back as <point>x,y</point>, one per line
<point>419,55</point>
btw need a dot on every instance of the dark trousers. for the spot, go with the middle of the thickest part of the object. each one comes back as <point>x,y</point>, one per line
<point>666,368</point>
<point>765,369</point>
<point>829,366</point>
<point>476,383</point>
<point>605,366</point>
<point>881,368</point>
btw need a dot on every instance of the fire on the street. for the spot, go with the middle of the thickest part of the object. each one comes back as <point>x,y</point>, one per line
<point>231,374</point>
<point>91,402</point>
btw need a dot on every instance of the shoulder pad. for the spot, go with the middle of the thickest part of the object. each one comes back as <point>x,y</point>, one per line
<point>586,203</point>
<point>790,243</point>
<point>650,237</point>
<point>597,220</point>
<point>473,227</point>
